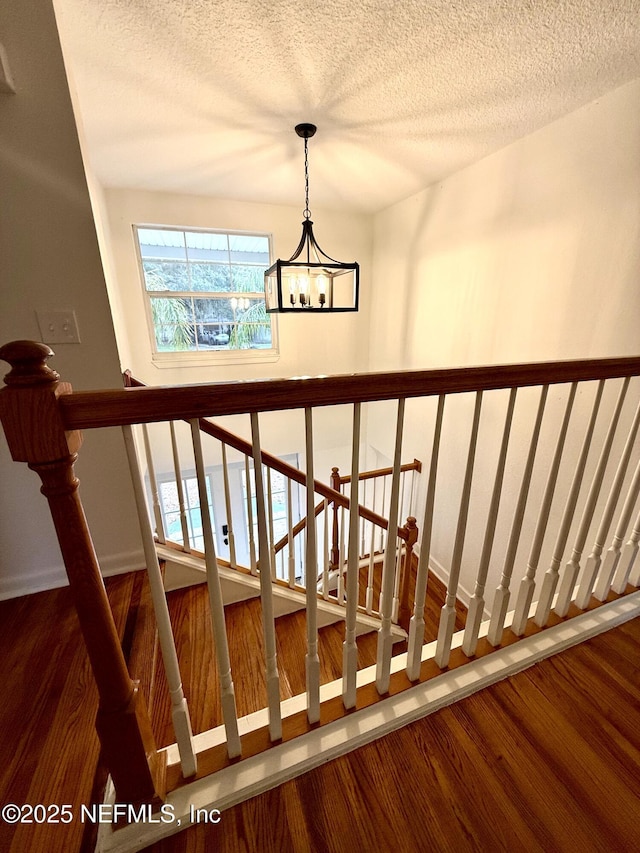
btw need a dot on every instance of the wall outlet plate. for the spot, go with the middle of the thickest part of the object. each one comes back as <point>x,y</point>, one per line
<point>58,327</point>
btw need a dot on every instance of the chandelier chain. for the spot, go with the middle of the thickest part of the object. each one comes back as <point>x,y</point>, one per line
<point>306,212</point>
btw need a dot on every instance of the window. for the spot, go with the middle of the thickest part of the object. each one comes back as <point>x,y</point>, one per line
<point>170,509</point>
<point>205,290</point>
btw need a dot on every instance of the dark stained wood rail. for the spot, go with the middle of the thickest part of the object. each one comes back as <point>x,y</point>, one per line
<point>93,409</point>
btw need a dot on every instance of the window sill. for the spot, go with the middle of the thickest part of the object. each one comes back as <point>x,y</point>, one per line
<point>207,359</point>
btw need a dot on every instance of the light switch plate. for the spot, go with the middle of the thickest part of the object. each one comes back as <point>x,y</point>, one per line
<point>58,327</point>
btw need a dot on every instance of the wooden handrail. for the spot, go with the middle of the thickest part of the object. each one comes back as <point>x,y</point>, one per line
<point>93,409</point>
<point>416,465</point>
<point>297,528</point>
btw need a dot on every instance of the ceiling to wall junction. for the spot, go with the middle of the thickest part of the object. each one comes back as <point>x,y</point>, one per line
<point>197,96</point>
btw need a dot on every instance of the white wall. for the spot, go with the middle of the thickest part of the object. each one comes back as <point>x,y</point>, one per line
<point>49,259</point>
<point>309,344</point>
<point>531,254</point>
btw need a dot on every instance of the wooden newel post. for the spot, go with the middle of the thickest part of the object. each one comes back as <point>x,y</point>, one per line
<point>334,558</point>
<point>405,609</point>
<point>35,434</point>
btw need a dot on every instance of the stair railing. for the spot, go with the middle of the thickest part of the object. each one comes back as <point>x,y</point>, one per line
<point>574,469</point>
<point>333,511</point>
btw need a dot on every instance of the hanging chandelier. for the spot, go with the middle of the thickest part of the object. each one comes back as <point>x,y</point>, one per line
<point>311,280</point>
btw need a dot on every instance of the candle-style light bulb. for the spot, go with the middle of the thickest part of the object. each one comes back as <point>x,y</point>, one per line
<point>322,289</point>
<point>303,285</point>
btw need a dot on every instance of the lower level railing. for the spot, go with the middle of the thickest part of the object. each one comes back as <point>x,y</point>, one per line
<point>527,466</point>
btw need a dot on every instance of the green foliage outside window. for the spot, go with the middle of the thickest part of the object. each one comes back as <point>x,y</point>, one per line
<point>205,289</point>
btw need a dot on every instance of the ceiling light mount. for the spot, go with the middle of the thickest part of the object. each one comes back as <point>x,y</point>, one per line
<point>311,280</point>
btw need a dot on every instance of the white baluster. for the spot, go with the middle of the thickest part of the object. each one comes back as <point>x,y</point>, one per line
<point>216,606</point>
<point>628,560</point>
<point>527,584</point>
<point>476,604</point>
<point>503,593</point>
<point>396,581</point>
<point>551,576</point>
<point>272,543</point>
<point>383,513</point>
<point>228,509</point>
<point>266,593</point>
<point>371,570</point>
<point>178,475</point>
<point>592,566</point>
<point>384,649</point>
<point>252,544</point>
<point>326,555</point>
<point>618,568</point>
<point>416,625</point>
<point>448,612</point>
<point>312,661</point>
<point>341,559</point>
<point>349,648</point>
<point>572,568</point>
<point>363,526</point>
<point>157,512</point>
<point>291,552</point>
<point>179,709</point>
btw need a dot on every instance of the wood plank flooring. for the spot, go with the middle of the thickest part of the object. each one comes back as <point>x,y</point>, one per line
<point>548,760</point>
<point>48,746</point>
<point>196,653</point>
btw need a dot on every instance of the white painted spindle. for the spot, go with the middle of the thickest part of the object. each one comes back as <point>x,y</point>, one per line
<point>448,612</point>
<point>266,592</point>
<point>272,541</point>
<point>186,543</point>
<point>252,543</point>
<point>416,625</point>
<point>179,709</point>
<point>552,574</point>
<point>476,604</point>
<point>228,509</point>
<point>629,563</point>
<point>396,581</point>
<point>594,561</point>
<point>312,661</point>
<point>341,558</point>
<point>349,648</point>
<point>291,548</point>
<point>153,483</point>
<point>326,560</point>
<point>216,606</point>
<point>572,569</point>
<point>503,592</point>
<point>618,568</point>
<point>527,584</point>
<point>384,649</point>
<point>371,570</point>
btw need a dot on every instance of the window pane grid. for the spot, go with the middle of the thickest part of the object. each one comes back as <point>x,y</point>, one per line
<point>205,289</point>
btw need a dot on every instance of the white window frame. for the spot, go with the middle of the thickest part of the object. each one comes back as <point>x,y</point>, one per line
<point>198,358</point>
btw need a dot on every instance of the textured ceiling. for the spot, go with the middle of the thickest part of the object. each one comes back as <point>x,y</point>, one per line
<point>201,96</point>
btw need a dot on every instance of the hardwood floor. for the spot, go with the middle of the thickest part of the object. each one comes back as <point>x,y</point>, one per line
<point>48,746</point>
<point>196,652</point>
<point>548,760</point>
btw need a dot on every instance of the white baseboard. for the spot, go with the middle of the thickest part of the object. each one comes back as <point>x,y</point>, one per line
<point>442,574</point>
<point>279,764</point>
<point>54,577</point>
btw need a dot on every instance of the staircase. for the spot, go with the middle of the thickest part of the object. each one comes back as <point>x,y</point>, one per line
<point>533,471</point>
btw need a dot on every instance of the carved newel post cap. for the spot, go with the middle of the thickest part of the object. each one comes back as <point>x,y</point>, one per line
<point>28,360</point>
